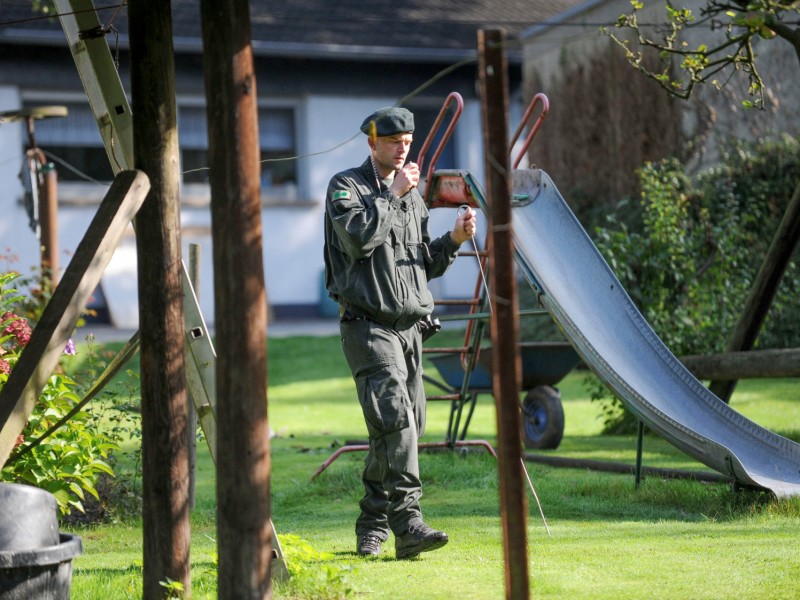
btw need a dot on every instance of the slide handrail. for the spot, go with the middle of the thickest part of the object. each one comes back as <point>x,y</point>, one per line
<point>538,98</point>
<point>453,97</point>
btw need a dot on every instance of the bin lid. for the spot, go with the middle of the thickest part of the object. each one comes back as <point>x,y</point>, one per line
<point>28,517</point>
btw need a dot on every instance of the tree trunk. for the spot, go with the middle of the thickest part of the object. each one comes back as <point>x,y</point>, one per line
<point>244,530</point>
<point>764,288</point>
<point>163,380</point>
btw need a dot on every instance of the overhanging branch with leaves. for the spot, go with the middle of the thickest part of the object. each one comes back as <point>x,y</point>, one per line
<point>682,66</point>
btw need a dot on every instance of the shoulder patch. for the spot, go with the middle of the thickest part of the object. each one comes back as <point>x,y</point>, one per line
<point>341,195</point>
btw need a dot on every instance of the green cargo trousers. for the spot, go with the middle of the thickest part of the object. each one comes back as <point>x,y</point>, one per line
<point>386,367</point>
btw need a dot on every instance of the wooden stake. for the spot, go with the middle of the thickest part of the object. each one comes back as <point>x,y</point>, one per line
<point>244,530</point>
<point>165,458</point>
<point>506,366</point>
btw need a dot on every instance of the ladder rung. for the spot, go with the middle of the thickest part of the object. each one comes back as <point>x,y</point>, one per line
<point>457,302</point>
<point>528,312</point>
<point>451,350</point>
<point>470,317</point>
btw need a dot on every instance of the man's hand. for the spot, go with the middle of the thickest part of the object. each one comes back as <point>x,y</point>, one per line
<point>405,179</point>
<point>465,226</point>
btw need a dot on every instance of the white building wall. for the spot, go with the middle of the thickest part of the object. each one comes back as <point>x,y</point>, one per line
<point>18,244</point>
<point>328,141</point>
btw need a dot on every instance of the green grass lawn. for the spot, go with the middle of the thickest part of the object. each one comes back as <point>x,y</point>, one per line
<point>668,539</point>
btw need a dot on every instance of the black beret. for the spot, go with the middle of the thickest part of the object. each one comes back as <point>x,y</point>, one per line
<point>388,121</point>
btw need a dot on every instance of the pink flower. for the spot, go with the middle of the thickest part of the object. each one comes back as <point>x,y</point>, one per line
<point>18,327</point>
<point>5,368</point>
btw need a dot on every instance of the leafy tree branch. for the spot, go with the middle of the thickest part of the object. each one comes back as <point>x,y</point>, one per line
<point>741,24</point>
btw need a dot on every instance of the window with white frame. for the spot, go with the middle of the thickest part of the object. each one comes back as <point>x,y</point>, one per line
<point>75,143</point>
<point>277,140</point>
<point>424,118</point>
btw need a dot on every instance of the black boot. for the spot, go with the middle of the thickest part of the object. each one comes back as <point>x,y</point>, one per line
<point>418,538</point>
<point>369,544</point>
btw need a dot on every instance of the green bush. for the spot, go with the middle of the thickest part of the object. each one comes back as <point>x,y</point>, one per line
<point>69,462</point>
<point>755,183</point>
<point>690,257</point>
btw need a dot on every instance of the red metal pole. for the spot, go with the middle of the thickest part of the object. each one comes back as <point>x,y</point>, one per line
<point>48,223</point>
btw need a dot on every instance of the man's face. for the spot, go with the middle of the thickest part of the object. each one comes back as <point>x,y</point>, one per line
<point>390,151</point>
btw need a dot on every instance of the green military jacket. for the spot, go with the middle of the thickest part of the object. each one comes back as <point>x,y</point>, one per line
<point>378,253</point>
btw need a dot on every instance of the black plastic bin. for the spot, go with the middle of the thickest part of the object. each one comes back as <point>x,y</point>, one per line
<point>35,559</point>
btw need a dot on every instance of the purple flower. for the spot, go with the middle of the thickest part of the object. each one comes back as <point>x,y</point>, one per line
<point>70,349</point>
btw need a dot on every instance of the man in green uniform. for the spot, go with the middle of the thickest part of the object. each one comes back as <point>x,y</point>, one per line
<point>378,260</point>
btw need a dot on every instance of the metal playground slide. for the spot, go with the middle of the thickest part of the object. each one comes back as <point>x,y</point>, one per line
<point>597,315</point>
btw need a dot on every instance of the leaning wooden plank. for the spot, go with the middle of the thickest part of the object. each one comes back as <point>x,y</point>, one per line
<point>51,334</point>
<point>751,364</point>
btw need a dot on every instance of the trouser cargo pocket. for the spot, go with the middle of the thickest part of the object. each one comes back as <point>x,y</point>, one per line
<point>384,402</point>
<point>376,358</point>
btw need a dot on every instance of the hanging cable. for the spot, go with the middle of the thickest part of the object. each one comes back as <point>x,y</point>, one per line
<point>461,211</point>
<point>536,496</point>
<point>73,169</point>
<point>48,16</point>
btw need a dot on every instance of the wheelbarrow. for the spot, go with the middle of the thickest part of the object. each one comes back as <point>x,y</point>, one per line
<point>544,364</point>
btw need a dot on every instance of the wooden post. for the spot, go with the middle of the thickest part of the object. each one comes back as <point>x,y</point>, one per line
<point>244,529</point>
<point>191,429</point>
<point>52,332</point>
<point>165,464</point>
<point>506,366</point>
<point>764,288</point>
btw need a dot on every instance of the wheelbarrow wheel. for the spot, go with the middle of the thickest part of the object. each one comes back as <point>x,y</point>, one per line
<point>542,418</point>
